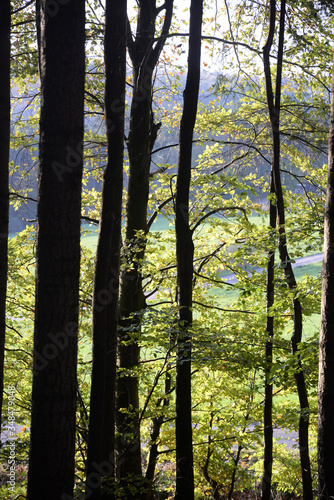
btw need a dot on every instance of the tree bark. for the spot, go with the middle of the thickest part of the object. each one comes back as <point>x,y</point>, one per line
<point>268,398</point>
<point>101,441</point>
<point>268,386</point>
<point>144,52</point>
<point>274,114</point>
<point>157,423</point>
<point>51,461</point>
<point>4,193</point>
<point>184,258</point>
<point>326,341</point>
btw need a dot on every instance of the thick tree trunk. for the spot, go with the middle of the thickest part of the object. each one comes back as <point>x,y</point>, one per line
<point>184,257</point>
<point>51,462</point>
<point>144,53</point>
<point>4,159</point>
<point>101,441</point>
<point>326,341</point>
<point>132,300</point>
<point>274,113</point>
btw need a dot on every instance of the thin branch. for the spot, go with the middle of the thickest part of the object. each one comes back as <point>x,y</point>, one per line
<point>212,212</point>
<point>159,303</point>
<point>26,198</point>
<point>156,379</point>
<point>212,280</point>
<point>165,147</point>
<point>217,39</point>
<point>90,220</point>
<point>154,56</point>
<point>14,330</point>
<point>223,309</point>
<point>155,214</point>
<point>21,23</point>
<point>96,99</point>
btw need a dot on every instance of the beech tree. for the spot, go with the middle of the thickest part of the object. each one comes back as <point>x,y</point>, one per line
<point>144,50</point>
<point>326,340</point>
<point>101,443</point>
<point>4,159</point>
<point>53,419</point>
<point>184,258</point>
<point>274,105</point>
<point>274,110</point>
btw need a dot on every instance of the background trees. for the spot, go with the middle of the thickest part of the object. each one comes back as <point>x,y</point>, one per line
<point>227,215</point>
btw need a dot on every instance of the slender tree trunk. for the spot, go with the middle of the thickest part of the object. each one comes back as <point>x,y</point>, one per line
<point>326,341</point>
<point>184,257</point>
<point>4,160</point>
<point>268,388</point>
<point>274,113</point>
<point>51,461</point>
<point>144,52</point>
<point>205,469</point>
<point>234,473</point>
<point>101,441</point>
<point>155,433</point>
<point>158,421</point>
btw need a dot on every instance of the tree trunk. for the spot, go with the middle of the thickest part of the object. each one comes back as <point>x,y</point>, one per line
<point>51,461</point>
<point>4,159</point>
<point>101,441</point>
<point>144,52</point>
<point>274,113</point>
<point>268,386</point>
<point>157,423</point>
<point>326,341</point>
<point>184,258</point>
